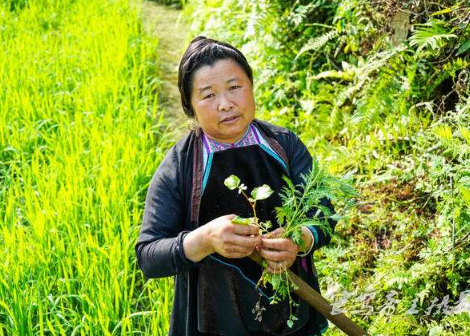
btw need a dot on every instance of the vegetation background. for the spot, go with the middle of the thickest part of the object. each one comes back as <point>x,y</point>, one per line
<point>377,88</point>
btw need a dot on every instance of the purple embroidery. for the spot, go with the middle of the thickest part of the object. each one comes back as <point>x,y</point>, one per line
<point>250,138</point>
<point>255,132</point>
<point>204,138</point>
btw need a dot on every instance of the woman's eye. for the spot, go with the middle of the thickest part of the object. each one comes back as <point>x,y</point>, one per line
<point>210,95</point>
<point>234,87</point>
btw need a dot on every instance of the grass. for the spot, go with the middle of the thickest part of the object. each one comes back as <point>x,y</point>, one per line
<point>81,134</point>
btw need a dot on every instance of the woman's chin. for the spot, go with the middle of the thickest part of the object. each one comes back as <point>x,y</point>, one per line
<point>229,136</point>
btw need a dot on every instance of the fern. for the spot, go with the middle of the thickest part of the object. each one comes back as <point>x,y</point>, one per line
<point>430,35</point>
<point>376,99</point>
<point>317,42</point>
<point>258,19</point>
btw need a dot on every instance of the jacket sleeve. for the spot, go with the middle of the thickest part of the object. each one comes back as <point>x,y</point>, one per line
<point>159,246</point>
<point>300,163</point>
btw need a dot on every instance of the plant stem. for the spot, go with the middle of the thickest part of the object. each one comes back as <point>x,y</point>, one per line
<point>253,206</point>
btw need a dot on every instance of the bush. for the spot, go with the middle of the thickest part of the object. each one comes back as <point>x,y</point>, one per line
<point>383,92</point>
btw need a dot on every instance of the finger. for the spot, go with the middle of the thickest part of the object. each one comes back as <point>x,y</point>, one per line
<point>275,256</point>
<point>238,249</point>
<point>280,265</point>
<point>280,244</point>
<point>274,264</point>
<point>246,242</point>
<point>274,271</point>
<point>275,267</point>
<point>246,230</point>
<point>277,233</point>
<point>238,252</point>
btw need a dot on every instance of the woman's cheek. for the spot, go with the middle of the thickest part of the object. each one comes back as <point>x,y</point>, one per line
<point>207,104</point>
<point>211,102</point>
<point>240,93</point>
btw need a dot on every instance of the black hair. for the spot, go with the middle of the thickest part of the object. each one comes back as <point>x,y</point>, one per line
<point>204,51</point>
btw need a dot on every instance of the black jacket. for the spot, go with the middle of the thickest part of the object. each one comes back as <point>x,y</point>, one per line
<point>167,218</point>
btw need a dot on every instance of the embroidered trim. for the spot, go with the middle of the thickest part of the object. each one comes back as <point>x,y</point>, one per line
<point>207,171</point>
<point>274,155</point>
<point>272,143</point>
<point>197,180</point>
<point>313,229</point>
<point>253,129</point>
<point>212,146</point>
<point>206,143</point>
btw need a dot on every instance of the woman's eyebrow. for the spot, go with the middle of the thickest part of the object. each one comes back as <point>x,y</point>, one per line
<point>205,88</point>
<point>234,79</point>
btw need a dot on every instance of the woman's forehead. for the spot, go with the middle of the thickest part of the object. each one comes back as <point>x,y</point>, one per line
<point>221,72</point>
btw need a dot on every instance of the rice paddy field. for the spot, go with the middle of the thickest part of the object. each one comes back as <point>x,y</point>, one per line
<point>81,133</point>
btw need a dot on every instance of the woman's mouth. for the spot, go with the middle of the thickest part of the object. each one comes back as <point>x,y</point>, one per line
<point>230,120</point>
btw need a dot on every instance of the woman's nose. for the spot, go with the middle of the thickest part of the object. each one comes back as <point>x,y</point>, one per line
<point>225,104</point>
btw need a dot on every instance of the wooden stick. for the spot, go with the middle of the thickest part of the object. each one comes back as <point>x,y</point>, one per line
<point>319,303</point>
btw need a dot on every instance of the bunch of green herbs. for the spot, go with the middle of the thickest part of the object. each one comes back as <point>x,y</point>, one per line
<point>302,205</point>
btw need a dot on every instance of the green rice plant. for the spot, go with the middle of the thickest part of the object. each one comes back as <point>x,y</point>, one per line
<point>78,108</point>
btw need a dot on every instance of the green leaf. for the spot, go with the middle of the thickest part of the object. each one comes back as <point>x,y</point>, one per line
<point>290,323</point>
<point>337,217</point>
<point>465,133</point>
<point>242,221</point>
<point>463,48</point>
<point>431,35</point>
<point>444,11</point>
<point>436,331</point>
<point>344,75</point>
<point>262,192</point>
<point>465,194</point>
<point>310,222</point>
<point>316,43</point>
<point>297,238</point>
<point>232,182</point>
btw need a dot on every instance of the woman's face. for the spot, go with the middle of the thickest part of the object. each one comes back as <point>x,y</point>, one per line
<point>222,99</point>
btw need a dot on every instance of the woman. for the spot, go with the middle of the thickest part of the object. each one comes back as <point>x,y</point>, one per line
<point>187,230</point>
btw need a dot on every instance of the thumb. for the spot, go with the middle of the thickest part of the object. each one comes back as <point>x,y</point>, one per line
<point>278,232</point>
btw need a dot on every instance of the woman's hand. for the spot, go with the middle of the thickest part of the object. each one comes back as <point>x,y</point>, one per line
<point>221,236</point>
<point>232,240</point>
<point>279,253</point>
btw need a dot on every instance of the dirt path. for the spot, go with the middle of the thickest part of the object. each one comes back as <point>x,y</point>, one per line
<point>162,22</point>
